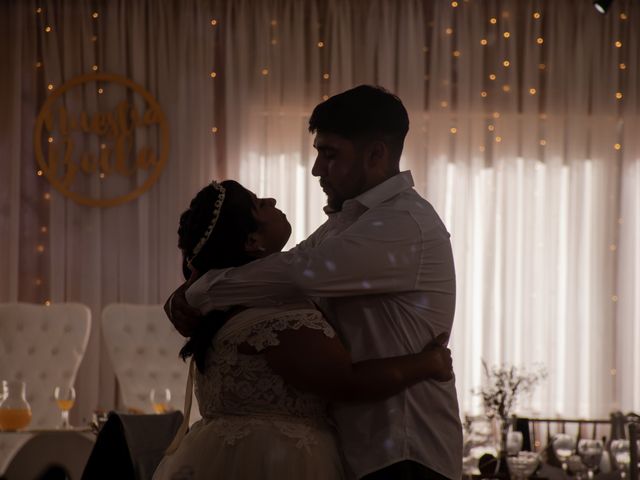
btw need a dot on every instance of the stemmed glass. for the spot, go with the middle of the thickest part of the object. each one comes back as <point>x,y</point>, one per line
<point>620,451</point>
<point>563,446</point>
<point>160,400</point>
<point>590,452</point>
<point>522,465</point>
<point>65,398</point>
<point>514,442</point>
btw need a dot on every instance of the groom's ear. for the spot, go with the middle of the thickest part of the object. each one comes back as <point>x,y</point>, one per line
<point>253,244</point>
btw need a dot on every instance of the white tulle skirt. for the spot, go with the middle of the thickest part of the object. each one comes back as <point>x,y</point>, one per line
<point>251,448</point>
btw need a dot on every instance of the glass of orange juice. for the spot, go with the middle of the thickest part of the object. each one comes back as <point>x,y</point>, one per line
<point>15,412</point>
<point>65,398</point>
<point>160,400</point>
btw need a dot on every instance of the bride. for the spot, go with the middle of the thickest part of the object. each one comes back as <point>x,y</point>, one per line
<point>265,377</point>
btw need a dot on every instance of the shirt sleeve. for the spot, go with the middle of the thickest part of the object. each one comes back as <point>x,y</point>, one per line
<point>372,256</point>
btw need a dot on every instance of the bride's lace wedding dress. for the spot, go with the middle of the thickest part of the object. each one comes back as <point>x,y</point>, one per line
<point>254,425</point>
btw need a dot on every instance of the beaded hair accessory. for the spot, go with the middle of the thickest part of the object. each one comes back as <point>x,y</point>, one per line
<point>216,213</point>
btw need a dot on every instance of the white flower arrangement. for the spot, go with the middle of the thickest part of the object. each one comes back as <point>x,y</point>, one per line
<point>504,383</point>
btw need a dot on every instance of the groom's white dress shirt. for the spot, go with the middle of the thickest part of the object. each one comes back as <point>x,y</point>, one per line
<point>382,271</point>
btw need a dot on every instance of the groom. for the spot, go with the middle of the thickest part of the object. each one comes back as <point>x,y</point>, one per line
<point>381,268</point>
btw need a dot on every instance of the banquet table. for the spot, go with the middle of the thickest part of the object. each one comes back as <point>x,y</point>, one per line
<point>28,454</point>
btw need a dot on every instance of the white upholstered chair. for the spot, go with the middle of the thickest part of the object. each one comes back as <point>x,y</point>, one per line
<point>43,346</point>
<point>143,347</point>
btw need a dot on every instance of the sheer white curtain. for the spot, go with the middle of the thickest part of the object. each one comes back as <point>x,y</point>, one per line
<point>53,249</point>
<point>519,158</point>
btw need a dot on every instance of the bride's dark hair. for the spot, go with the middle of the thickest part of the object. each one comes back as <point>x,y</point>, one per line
<point>224,248</point>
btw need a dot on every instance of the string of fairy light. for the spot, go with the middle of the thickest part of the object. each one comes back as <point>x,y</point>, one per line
<point>492,36</point>
<point>47,27</point>
<point>533,90</point>
<point>495,32</point>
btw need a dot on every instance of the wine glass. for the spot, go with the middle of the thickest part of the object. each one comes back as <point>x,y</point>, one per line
<point>514,442</point>
<point>522,465</point>
<point>620,451</point>
<point>65,398</point>
<point>563,446</point>
<point>160,400</point>
<point>590,452</point>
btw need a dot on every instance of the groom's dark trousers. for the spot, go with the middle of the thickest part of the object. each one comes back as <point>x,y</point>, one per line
<point>405,470</point>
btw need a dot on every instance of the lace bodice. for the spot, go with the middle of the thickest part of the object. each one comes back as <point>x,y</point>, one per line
<point>234,383</point>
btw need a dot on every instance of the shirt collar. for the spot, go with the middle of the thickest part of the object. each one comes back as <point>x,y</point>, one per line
<point>381,192</point>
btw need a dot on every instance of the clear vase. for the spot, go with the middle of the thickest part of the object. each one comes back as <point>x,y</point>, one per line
<point>15,412</point>
<point>504,425</point>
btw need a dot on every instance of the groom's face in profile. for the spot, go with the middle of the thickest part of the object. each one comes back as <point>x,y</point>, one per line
<point>340,164</point>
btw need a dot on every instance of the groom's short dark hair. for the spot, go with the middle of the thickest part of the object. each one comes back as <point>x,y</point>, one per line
<point>365,112</point>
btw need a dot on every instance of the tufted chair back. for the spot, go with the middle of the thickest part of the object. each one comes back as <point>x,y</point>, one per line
<point>143,347</point>
<point>43,346</point>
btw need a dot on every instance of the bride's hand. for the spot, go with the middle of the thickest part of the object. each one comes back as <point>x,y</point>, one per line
<point>183,316</point>
<point>439,363</point>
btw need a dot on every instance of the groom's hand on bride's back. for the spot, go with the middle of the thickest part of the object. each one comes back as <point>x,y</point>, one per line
<point>438,361</point>
<point>183,316</point>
